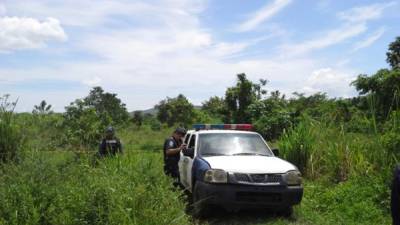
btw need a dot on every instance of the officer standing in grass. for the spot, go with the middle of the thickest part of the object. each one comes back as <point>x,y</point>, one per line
<point>110,145</point>
<point>395,199</point>
<point>172,148</point>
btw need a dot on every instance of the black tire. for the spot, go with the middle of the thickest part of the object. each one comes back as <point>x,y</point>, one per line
<point>199,209</point>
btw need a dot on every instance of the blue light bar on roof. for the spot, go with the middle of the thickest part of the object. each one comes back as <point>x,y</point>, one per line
<point>222,126</point>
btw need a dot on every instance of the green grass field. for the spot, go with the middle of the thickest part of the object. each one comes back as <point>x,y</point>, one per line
<point>62,187</point>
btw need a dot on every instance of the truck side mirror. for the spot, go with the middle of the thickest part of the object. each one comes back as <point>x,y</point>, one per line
<point>275,151</point>
<point>189,152</point>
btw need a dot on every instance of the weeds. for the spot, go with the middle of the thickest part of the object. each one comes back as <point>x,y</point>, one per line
<point>11,138</point>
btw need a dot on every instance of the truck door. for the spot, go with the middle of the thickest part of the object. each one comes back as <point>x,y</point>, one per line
<point>189,162</point>
<point>181,164</point>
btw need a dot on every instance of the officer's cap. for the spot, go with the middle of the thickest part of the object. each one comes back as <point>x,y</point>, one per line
<point>180,130</point>
<point>110,129</point>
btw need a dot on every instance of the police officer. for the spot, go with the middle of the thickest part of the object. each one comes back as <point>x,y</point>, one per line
<point>110,145</point>
<point>172,148</point>
<point>395,199</point>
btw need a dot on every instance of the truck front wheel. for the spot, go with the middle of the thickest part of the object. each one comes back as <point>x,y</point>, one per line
<point>200,209</point>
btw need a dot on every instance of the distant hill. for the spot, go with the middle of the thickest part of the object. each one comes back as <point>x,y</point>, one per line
<point>154,111</point>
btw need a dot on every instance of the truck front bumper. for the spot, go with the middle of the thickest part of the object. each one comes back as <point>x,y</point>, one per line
<point>234,196</point>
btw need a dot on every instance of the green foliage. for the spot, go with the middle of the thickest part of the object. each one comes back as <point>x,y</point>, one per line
<point>85,120</point>
<point>11,139</point>
<point>391,138</point>
<point>138,118</point>
<point>298,143</point>
<point>240,97</point>
<point>42,108</point>
<point>384,88</point>
<point>315,105</point>
<point>176,110</point>
<point>393,54</point>
<point>83,126</point>
<point>358,201</point>
<point>270,116</point>
<point>107,103</point>
<point>214,106</point>
<point>45,131</point>
<point>202,116</point>
<point>58,188</point>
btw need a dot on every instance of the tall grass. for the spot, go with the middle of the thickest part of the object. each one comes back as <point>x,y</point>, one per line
<point>58,188</point>
<point>297,144</point>
<point>324,150</point>
<point>10,134</point>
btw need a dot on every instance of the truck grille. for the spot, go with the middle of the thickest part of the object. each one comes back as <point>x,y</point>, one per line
<point>241,177</point>
<point>258,178</point>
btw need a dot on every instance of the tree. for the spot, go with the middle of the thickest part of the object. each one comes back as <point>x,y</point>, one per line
<point>240,97</point>
<point>176,110</point>
<point>313,104</point>
<point>107,103</point>
<point>83,125</point>
<point>42,108</point>
<point>85,119</point>
<point>383,88</point>
<point>271,116</point>
<point>393,54</point>
<point>214,106</point>
<point>138,118</point>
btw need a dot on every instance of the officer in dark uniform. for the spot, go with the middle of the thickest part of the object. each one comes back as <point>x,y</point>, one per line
<point>172,148</point>
<point>110,145</point>
<point>395,199</point>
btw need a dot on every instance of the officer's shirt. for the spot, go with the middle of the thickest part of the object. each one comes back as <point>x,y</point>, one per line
<point>172,160</point>
<point>110,146</point>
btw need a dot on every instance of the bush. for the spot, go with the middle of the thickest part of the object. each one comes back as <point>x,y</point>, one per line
<point>83,127</point>
<point>11,140</point>
<point>391,139</point>
<point>58,189</point>
<point>341,205</point>
<point>297,144</point>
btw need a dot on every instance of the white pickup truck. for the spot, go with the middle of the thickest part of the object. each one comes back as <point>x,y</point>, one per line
<point>230,166</point>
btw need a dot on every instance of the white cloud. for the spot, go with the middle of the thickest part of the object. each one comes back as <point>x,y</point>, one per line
<point>371,39</point>
<point>94,81</point>
<point>263,14</point>
<point>84,13</point>
<point>355,23</point>
<point>161,50</point>
<point>364,13</point>
<point>330,38</point>
<point>27,33</point>
<point>333,82</point>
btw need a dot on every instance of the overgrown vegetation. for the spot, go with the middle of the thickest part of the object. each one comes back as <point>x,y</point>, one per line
<point>11,138</point>
<point>345,148</point>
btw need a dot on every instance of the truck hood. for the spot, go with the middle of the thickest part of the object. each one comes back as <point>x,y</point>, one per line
<point>250,164</point>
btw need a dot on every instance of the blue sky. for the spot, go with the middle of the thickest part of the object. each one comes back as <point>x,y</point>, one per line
<point>147,50</point>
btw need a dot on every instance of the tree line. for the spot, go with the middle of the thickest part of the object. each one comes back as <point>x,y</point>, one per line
<point>271,112</point>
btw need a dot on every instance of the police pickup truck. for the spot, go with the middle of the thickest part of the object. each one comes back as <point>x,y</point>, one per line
<point>230,166</point>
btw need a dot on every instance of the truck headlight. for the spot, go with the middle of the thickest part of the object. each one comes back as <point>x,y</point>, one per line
<point>293,177</point>
<point>216,176</point>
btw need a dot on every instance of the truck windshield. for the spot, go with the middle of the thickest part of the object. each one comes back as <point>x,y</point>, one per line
<point>214,144</point>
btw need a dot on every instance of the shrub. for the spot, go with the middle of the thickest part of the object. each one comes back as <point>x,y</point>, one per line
<point>54,188</point>
<point>11,137</point>
<point>391,138</point>
<point>83,126</point>
<point>297,144</point>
